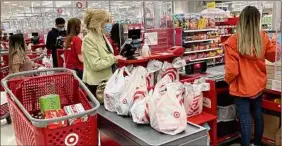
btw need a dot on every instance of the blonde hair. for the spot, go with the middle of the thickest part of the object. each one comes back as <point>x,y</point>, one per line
<point>95,20</point>
<point>249,40</point>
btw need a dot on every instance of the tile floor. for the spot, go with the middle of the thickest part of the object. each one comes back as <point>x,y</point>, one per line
<point>7,134</point>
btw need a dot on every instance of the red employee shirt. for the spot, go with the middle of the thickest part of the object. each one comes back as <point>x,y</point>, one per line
<point>71,54</point>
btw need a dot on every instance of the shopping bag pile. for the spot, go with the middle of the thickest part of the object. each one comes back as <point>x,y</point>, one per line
<point>154,95</point>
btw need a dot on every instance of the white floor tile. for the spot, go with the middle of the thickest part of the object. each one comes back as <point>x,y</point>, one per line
<point>7,134</point>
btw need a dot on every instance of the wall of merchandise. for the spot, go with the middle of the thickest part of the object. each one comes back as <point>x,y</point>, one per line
<point>33,16</point>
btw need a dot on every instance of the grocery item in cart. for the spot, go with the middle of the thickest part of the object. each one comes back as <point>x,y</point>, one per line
<point>166,109</point>
<point>135,87</point>
<point>139,112</point>
<point>74,109</point>
<point>55,114</point>
<point>114,88</point>
<point>49,102</point>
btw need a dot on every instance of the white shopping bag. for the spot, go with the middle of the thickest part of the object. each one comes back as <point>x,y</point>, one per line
<point>139,110</point>
<point>153,67</point>
<point>193,97</point>
<point>168,69</point>
<point>166,111</point>
<point>134,89</point>
<point>114,88</point>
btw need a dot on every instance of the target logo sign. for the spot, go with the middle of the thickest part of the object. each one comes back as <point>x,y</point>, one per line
<point>71,139</point>
<point>176,114</point>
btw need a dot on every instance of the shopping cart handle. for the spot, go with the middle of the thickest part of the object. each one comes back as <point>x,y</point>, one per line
<point>44,122</point>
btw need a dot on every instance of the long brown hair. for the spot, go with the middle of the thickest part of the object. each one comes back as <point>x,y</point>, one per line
<point>249,41</point>
<point>73,30</point>
<point>17,46</point>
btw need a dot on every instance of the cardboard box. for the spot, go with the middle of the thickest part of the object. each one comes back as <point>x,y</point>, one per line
<point>54,114</point>
<point>49,102</point>
<point>74,109</point>
<point>271,125</point>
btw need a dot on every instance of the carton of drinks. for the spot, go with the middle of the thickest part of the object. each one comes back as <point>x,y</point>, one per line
<point>74,109</point>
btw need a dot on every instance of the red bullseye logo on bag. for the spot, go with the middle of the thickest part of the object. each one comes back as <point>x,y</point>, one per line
<point>176,114</point>
<point>124,101</point>
<point>71,139</point>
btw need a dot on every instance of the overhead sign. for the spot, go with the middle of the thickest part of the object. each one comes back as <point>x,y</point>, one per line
<point>211,5</point>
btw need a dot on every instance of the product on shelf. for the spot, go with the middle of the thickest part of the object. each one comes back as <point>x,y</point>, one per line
<point>74,109</point>
<point>55,114</point>
<point>49,102</point>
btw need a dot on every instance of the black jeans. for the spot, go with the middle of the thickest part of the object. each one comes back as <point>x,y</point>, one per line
<point>54,58</point>
<point>92,88</point>
<point>79,73</point>
<point>247,107</point>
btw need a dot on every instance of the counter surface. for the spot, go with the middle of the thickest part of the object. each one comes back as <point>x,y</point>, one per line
<point>144,134</point>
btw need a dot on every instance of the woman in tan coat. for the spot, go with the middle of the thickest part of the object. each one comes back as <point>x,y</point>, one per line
<point>97,52</point>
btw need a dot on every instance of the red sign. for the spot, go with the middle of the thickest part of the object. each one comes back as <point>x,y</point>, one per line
<point>79,5</point>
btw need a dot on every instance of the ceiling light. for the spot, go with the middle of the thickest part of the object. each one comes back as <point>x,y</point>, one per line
<point>18,10</point>
<point>6,2</point>
<point>21,6</point>
<point>14,4</point>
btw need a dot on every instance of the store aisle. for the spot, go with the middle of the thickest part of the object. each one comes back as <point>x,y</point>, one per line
<point>7,134</point>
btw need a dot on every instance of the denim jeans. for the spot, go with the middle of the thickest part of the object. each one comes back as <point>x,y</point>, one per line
<point>245,108</point>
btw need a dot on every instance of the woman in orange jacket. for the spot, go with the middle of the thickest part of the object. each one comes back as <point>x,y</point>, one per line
<point>245,71</point>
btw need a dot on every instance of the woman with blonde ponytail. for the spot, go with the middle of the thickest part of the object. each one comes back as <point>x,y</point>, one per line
<point>97,52</point>
<point>245,71</point>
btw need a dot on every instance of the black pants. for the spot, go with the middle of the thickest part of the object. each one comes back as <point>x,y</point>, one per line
<point>79,73</point>
<point>92,88</point>
<point>54,58</point>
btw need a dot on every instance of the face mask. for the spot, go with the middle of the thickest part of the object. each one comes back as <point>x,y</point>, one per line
<point>60,29</point>
<point>108,28</point>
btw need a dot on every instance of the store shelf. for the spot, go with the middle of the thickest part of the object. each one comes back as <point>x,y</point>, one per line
<point>197,41</point>
<point>201,118</point>
<point>201,59</point>
<point>270,105</point>
<point>197,51</point>
<point>225,35</point>
<point>201,30</point>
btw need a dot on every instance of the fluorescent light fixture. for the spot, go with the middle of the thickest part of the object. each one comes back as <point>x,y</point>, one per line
<point>14,4</point>
<point>6,2</point>
<point>21,6</point>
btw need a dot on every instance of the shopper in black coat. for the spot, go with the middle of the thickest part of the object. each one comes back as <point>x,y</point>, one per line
<point>54,40</point>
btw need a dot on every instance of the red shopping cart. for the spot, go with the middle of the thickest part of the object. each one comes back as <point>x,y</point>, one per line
<point>23,91</point>
<point>4,109</point>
